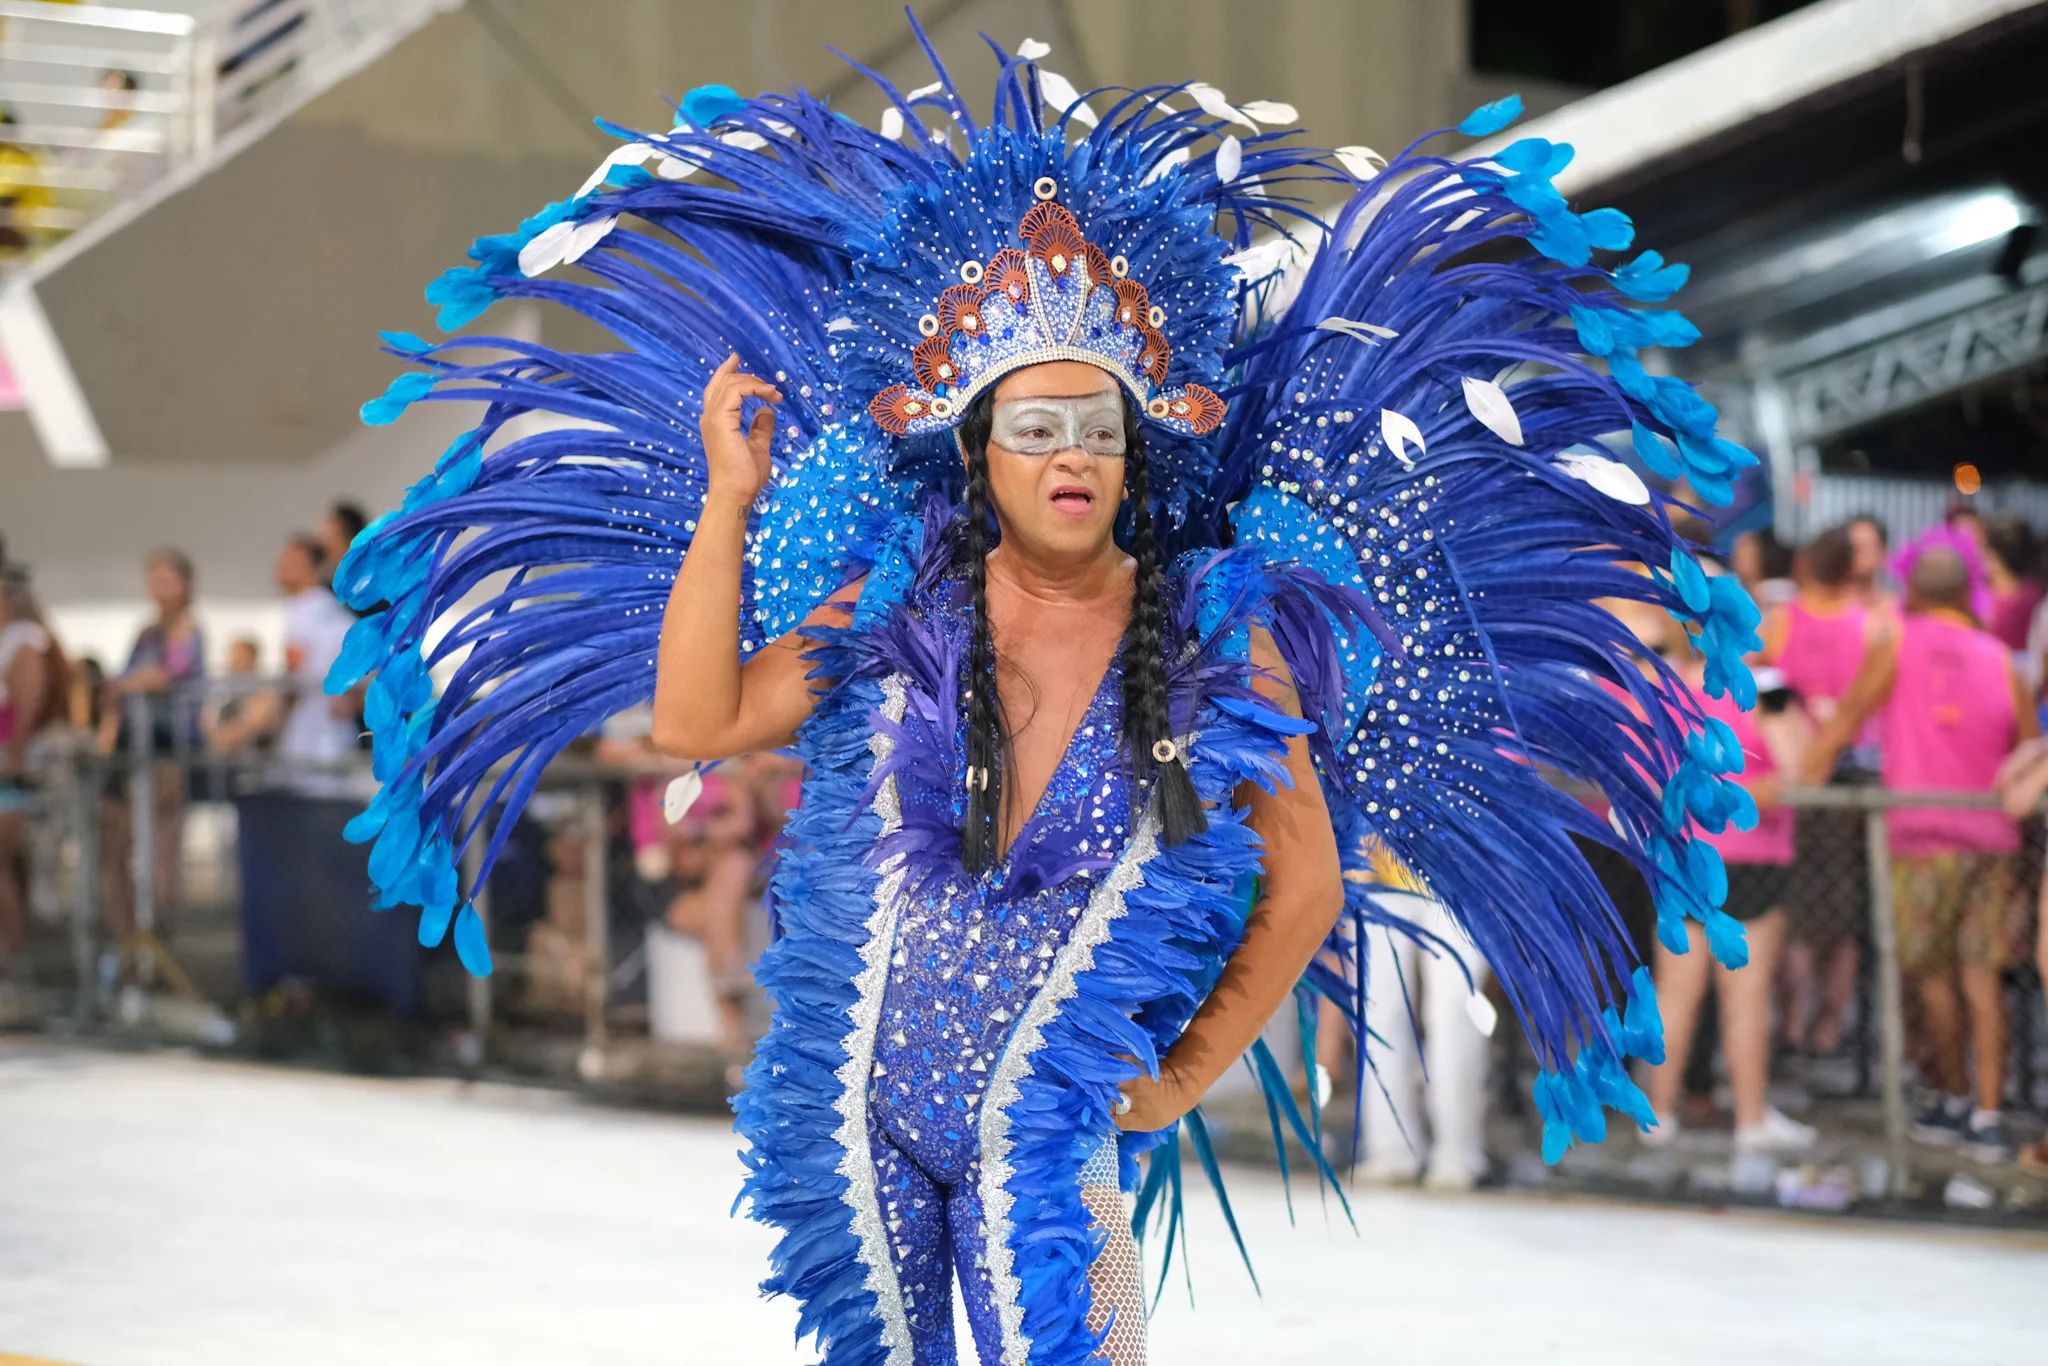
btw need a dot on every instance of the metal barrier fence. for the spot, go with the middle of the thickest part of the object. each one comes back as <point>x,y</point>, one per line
<point>128,850</point>
<point>102,102</point>
<point>1850,991</point>
<point>1927,919</point>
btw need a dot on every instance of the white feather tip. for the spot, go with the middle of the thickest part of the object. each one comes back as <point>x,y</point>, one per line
<point>1489,403</point>
<point>1399,431</point>
<point>680,795</point>
<point>1610,477</point>
<point>1229,160</point>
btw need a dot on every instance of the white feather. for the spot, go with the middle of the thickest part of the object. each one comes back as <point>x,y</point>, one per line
<point>842,325</point>
<point>934,88</point>
<point>1214,105</point>
<point>745,139</point>
<point>626,154</point>
<point>1398,431</point>
<point>1362,162</point>
<point>681,795</point>
<point>1060,94</point>
<point>892,123</point>
<point>1263,258</point>
<point>1490,405</point>
<point>1177,157</point>
<point>1229,160</point>
<point>544,252</point>
<point>1482,1014</point>
<point>588,234</point>
<point>1357,331</point>
<point>1031,49</point>
<point>1610,477</point>
<point>1271,111</point>
<point>675,168</point>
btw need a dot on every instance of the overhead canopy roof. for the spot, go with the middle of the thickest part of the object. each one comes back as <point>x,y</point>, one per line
<point>1859,188</point>
<point>1742,86</point>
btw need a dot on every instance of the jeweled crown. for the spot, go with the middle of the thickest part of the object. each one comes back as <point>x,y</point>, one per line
<point>1060,298</point>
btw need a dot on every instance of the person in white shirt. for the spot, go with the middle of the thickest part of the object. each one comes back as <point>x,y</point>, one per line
<point>308,724</point>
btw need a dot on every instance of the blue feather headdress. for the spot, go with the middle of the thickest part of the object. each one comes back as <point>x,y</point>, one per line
<point>1441,418</point>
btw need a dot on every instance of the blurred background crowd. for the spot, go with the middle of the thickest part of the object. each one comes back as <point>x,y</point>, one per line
<point>181,472</point>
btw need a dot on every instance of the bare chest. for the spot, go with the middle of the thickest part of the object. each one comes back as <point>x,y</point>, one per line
<point>1050,666</point>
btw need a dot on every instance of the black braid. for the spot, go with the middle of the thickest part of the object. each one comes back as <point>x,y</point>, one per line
<point>986,734</point>
<point>1148,713</point>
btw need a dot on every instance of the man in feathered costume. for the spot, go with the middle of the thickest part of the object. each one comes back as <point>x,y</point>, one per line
<point>1119,596</point>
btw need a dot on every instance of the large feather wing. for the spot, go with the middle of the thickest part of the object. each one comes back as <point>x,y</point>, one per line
<point>1439,420</point>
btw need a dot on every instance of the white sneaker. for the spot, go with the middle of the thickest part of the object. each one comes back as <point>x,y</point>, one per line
<point>1661,1133</point>
<point>1450,1180</point>
<point>1390,1171</point>
<point>1776,1132</point>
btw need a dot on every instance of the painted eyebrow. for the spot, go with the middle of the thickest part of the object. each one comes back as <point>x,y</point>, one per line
<point>1054,398</point>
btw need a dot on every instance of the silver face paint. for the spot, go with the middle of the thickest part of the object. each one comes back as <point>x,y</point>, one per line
<point>1043,426</point>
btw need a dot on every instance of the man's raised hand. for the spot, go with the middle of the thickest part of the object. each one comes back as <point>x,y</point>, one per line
<point>737,458</point>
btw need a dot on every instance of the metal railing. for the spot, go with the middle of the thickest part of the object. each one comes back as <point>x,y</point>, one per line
<point>162,768</point>
<point>103,103</point>
<point>1855,914</point>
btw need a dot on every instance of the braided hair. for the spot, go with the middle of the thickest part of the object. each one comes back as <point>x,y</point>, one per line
<point>1148,716</point>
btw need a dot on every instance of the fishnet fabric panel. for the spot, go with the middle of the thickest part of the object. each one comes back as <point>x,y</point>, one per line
<point>1116,1280</point>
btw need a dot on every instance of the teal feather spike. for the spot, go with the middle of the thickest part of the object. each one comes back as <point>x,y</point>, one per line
<point>1205,1153</point>
<point>401,394</point>
<point>471,944</point>
<point>1489,119</point>
<point>435,918</point>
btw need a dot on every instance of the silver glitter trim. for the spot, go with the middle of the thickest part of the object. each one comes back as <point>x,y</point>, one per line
<point>856,1162</point>
<point>1140,387</point>
<point>1090,933</point>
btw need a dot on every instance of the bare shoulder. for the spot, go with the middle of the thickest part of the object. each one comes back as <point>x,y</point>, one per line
<point>834,613</point>
<point>837,610</point>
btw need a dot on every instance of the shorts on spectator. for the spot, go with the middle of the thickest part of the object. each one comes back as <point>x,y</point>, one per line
<point>1827,894</point>
<point>1755,889</point>
<point>1957,910</point>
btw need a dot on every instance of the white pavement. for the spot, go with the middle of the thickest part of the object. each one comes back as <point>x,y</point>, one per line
<point>164,1211</point>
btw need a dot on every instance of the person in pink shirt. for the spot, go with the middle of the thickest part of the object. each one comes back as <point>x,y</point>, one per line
<point>1816,642</point>
<point>1773,739</point>
<point>1952,708</point>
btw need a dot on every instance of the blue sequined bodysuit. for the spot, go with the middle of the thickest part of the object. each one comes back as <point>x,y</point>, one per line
<point>968,957</point>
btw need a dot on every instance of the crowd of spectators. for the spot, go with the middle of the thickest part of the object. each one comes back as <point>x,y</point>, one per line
<point>1920,669</point>
<point>1917,670</point>
<point>700,877</point>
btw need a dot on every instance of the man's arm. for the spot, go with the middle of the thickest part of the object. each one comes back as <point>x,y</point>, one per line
<point>2028,721</point>
<point>1777,628</point>
<point>1870,690</point>
<point>262,714</point>
<point>1300,896</point>
<point>707,705</point>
